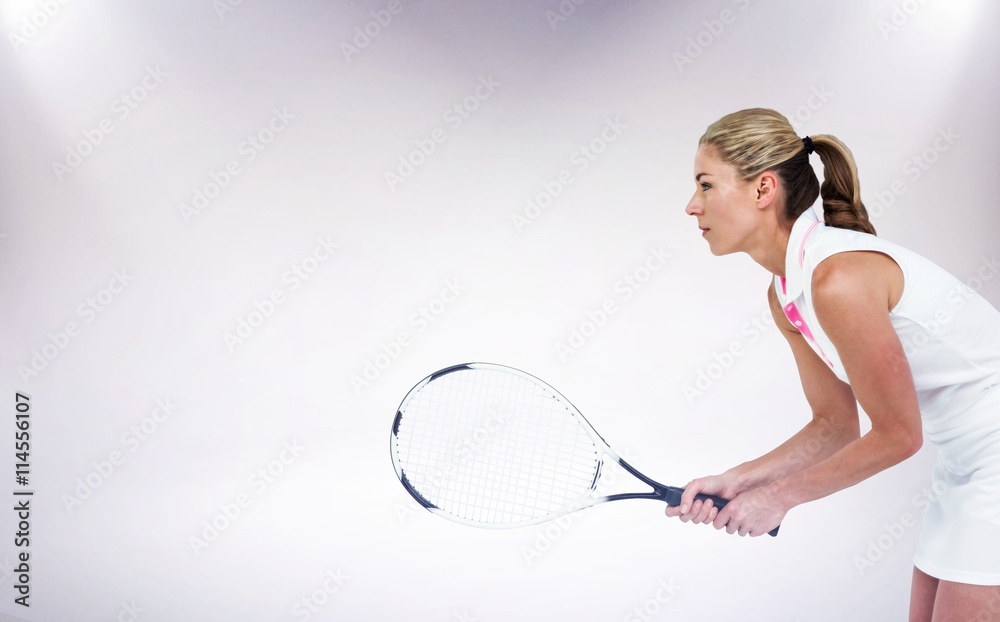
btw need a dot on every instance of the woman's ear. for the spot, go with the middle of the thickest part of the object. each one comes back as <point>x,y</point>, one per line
<point>767,188</point>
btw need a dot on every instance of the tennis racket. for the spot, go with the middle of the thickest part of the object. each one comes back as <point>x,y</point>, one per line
<point>492,446</point>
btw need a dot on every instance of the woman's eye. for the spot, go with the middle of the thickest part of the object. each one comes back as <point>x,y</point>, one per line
<point>705,186</point>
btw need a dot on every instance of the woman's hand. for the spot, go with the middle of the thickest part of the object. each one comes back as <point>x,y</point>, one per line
<point>752,513</point>
<point>727,485</point>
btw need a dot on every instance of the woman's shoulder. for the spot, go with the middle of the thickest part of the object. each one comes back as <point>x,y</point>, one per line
<point>830,241</point>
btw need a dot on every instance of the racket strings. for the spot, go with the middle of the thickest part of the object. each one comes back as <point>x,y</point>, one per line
<point>494,447</point>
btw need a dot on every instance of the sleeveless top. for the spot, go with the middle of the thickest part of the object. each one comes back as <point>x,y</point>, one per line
<point>950,334</point>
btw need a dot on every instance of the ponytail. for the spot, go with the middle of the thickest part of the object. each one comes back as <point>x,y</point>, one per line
<point>841,189</point>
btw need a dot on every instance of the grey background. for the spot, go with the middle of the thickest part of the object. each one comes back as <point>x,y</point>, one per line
<point>885,77</point>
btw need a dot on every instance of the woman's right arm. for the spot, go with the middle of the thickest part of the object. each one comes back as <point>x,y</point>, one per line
<point>834,408</point>
<point>834,424</point>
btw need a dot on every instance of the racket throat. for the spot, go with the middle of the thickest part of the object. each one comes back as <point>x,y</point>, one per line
<point>666,494</point>
<point>670,495</point>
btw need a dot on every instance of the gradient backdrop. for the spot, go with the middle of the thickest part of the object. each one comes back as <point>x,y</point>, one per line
<point>234,234</point>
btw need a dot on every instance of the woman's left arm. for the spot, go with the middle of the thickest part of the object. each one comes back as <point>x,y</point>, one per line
<point>852,294</point>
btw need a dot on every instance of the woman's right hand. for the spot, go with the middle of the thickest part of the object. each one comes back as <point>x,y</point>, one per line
<point>726,485</point>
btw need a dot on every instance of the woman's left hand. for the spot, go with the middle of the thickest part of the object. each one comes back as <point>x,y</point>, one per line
<point>752,513</point>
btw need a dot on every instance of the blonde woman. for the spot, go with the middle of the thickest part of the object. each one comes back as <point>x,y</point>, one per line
<point>868,322</point>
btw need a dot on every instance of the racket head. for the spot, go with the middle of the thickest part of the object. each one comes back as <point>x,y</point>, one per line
<point>491,446</point>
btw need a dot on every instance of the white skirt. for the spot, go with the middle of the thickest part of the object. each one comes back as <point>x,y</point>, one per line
<point>960,536</point>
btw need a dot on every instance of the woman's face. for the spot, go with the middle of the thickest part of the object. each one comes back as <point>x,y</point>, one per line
<point>724,204</point>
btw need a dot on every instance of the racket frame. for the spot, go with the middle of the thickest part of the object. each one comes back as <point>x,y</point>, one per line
<point>671,495</point>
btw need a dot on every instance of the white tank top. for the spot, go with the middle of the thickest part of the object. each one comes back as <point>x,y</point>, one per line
<point>950,334</point>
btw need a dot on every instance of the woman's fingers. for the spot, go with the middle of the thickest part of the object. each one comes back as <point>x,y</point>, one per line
<point>700,512</point>
<point>688,497</point>
<point>693,510</point>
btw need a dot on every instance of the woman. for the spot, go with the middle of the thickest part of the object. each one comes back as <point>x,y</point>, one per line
<point>868,322</point>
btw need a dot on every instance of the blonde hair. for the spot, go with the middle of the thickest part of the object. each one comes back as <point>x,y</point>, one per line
<point>756,140</point>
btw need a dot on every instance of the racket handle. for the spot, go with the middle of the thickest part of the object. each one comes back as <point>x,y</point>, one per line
<point>674,498</point>
<point>718,502</point>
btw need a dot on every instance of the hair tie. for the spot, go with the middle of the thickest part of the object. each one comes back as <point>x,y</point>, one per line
<point>808,142</point>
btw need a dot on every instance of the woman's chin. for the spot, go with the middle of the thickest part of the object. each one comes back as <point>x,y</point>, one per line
<point>716,250</point>
<point>719,251</point>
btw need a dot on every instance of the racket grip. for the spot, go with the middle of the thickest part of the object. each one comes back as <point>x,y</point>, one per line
<point>674,498</point>
<point>718,502</point>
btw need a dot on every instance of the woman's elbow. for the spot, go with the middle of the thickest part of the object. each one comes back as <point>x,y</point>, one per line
<point>906,443</point>
<point>915,441</point>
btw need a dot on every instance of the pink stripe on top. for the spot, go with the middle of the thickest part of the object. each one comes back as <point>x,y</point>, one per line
<point>792,312</point>
<point>802,247</point>
<point>793,315</point>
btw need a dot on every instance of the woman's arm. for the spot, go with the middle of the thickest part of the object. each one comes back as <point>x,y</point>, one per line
<point>852,294</point>
<point>834,424</point>
<point>834,409</point>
